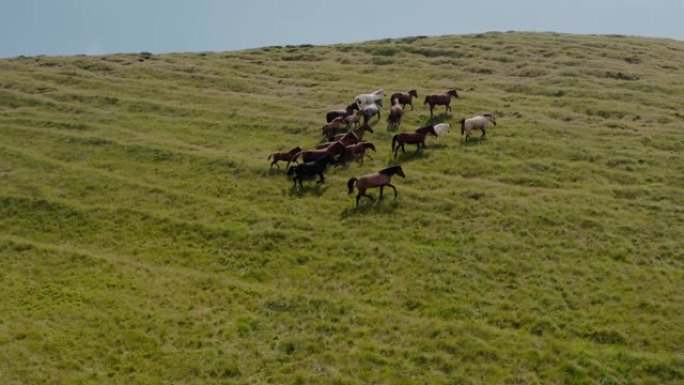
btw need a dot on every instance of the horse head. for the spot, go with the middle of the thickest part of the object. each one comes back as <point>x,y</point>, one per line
<point>453,93</point>
<point>491,118</point>
<point>369,145</point>
<point>413,93</point>
<point>367,128</point>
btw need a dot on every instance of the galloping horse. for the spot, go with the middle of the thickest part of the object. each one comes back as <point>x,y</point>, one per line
<point>440,100</point>
<point>335,148</point>
<point>370,110</point>
<point>286,156</point>
<point>349,110</point>
<point>358,132</point>
<point>358,151</point>
<point>346,139</point>
<point>366,99</point>
<point>417,137</point>
<point>332,127</point>
<point>309,169</point>
<point>380,179</point>
<point>405,98</point>
<point>476,123</point>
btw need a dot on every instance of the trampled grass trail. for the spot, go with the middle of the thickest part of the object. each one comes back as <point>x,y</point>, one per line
<point>144,239</point>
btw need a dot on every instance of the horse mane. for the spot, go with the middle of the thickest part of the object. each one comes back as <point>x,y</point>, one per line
<point>425,129</point>
<point>389,170</point>
<point>487,115</point>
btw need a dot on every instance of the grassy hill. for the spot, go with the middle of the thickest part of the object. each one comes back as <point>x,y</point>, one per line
<point>144,240</point>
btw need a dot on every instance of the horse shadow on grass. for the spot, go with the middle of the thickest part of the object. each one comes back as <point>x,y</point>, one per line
<point>436,119</point>
<point>308,190</point>
<point>473,141</point>
<point>368,207</point>
<point>408,156</point>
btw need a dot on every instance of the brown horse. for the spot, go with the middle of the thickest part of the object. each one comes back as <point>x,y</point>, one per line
<point>346,139</point>
<point>335,148</point>
<point>349,110</point>
<point>332,127</point>
<point>358,151</point>
<point>395,114</point>
<point>286,156</point>
<point>417,137</point>
<point>405,98</point>
<point>354,119</point>
<point>380,179</point>
<point>358,132</point>
<point>440,100</point>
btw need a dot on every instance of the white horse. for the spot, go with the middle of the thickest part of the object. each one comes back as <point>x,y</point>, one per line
<point>476,123</point>
<point>442,129</point>
<point>371,110</point>
<point>366,99</point>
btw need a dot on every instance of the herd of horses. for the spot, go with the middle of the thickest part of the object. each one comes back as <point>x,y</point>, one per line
<point>340,147</point>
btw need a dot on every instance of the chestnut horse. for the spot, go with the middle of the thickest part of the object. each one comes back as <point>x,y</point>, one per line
<point>358,151</point>
<point>417,137</point>
<point>405,98</point>
<point>336,148</point>
<point>286,156</point>
<point>380,179</point>
<point>332,127</point>
<point>440,100</point>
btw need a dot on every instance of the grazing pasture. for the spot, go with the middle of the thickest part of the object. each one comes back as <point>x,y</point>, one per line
<point>145,239</point>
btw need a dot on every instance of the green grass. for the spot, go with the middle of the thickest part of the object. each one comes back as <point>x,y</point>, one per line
<point>143,238</point>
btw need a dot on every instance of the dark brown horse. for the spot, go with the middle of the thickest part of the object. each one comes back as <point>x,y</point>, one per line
<point>380,179</point>
<point>405,98</point>
<point>349,110</point>
<point>334,149</point>
<point>440,100</point>
<point>358,151</point>
<point>310,169</point>
<point>286,156</point>
<point>417,137</point>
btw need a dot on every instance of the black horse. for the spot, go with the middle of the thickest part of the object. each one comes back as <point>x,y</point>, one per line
<point>310,169</point>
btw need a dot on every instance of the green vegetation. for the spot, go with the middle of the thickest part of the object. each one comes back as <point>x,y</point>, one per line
<point>144,240</point>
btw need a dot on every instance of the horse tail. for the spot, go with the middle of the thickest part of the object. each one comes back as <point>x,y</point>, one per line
<point>294,158</point>
<point>426,101</point>
<point>350,184</point>
<point>395,138</point>
<point>462,121</point>
<point>269,157</point>
<point>290,170</point>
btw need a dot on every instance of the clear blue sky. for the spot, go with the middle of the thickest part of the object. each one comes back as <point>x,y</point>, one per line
<point>65,27</point>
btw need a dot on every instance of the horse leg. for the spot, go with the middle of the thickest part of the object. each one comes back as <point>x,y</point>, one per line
<point>447,109</point>
<point>393,188</point>
<point>295,181</point>
<point>322,180</point>
<point>431,108</point>
<point>381,189</point>
<point>483,133</point>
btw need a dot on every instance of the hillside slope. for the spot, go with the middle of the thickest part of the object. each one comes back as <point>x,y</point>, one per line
<point>143,238</point>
